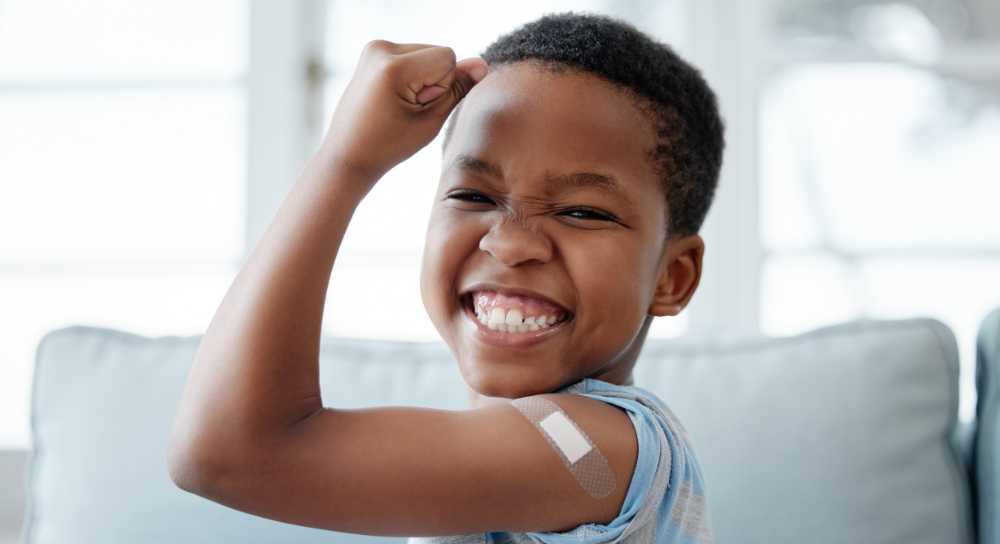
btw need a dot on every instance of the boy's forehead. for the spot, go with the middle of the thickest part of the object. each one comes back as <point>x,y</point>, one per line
<point>527,88</point>
<point>531,117</point>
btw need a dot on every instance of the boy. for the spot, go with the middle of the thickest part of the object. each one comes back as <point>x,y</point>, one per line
<point>575,178</point>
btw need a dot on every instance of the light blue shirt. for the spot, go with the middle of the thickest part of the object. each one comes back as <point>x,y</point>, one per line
<point>665,503</point>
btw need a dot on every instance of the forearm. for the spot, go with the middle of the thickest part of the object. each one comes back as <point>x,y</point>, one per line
<point>256,371</point>
<point>245,412</point>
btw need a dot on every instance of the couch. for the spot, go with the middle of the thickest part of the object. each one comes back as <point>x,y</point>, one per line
<point>847,434</point>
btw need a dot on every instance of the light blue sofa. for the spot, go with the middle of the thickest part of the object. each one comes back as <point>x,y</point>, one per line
<point>844,435</point>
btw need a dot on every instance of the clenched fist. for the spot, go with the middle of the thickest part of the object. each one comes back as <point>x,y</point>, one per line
<point>396,103</point>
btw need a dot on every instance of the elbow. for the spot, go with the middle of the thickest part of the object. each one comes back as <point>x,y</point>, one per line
<point>187,471</point>
<point>196,466</point>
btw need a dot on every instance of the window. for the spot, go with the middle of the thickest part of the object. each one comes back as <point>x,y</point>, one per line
<point>879,184</point>
<point>122,172</point>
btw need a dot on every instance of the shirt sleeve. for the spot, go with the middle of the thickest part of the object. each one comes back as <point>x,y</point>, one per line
<point>649,467</point>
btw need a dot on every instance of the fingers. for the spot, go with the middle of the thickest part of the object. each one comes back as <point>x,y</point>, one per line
<point>414,66</point>
<point>456,83</point>
<point>397,102</point>
<point>468,73</point>
<point>424,73</point>
<point>429,94</point>
<point>398,48</point>
<point>428,67</point>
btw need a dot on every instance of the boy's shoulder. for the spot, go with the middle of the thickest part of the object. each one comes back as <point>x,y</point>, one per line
<point>666,500</point>
<point>652,404</point>
<point>668,475</point>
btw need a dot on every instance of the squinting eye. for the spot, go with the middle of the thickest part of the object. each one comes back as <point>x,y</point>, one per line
<point>470,196</point>
<point>588,213</point>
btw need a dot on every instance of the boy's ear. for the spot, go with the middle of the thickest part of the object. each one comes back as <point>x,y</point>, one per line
<point>679,274</point>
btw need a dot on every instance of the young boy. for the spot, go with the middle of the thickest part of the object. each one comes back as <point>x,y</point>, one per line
<point>575,178</point>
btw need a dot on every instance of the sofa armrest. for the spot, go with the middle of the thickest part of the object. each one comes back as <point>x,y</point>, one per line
<point>13,495</point>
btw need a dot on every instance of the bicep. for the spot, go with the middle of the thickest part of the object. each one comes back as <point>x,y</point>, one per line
<point>411,471</point>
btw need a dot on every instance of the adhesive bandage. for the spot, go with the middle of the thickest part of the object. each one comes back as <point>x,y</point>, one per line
<point>580,455</point>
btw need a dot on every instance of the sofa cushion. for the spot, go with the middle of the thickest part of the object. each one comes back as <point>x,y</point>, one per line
<point>840,435</point>
<point>102,409</point>
<point>986,464</point>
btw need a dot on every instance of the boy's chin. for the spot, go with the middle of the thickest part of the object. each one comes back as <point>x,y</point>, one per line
<point>511,381</point>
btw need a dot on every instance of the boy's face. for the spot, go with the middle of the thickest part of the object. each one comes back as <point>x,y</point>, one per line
<point>549,209</point>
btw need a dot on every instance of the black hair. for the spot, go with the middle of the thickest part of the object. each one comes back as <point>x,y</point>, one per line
<point>681,106</point>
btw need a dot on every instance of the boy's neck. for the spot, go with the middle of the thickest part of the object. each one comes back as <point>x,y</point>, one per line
<point>477,400</point>
<point>619,374</point>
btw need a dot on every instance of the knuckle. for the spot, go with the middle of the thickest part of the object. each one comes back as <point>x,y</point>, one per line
<point>393,66</point>
<point>449,54</point>
<point>376,48</point>
<point>462,88</point>
<point>375,45</point>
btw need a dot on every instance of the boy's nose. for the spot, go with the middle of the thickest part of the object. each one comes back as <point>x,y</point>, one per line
<point>514,244</point>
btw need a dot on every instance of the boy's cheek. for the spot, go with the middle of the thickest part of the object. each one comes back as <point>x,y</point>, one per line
<point>615,282</point>
<point>450,243</point>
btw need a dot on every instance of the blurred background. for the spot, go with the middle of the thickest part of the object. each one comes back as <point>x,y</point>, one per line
<point>145,145</point>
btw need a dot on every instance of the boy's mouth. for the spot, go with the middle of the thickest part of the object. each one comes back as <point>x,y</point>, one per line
<point>514,313</point>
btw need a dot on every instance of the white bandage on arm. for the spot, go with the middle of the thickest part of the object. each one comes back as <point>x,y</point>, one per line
<point>574,447</point>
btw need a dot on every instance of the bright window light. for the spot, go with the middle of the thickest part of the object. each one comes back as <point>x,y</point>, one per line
<point>122,172</point>
<point>63,41</point>
<point>122,176</point>
<point>878,200</point>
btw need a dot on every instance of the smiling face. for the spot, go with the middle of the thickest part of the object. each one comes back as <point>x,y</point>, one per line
<point>545,252</point>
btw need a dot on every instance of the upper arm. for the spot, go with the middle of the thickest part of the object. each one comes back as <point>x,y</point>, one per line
<point>411,471</point>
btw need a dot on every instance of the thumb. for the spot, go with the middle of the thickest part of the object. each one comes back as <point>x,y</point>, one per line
<point>475,67</point>
<point>467,74</point>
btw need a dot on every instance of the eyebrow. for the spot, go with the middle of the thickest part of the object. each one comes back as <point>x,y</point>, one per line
<point>608,185</point>
<point>477,166</point>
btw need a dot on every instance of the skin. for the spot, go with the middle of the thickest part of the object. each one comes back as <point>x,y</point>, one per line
<point>519,207</point>
<point>251,431</point>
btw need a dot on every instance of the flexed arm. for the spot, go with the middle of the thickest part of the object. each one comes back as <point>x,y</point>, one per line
<point>251,431</point>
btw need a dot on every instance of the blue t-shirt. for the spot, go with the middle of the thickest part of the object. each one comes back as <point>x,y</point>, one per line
<point>665,502</point>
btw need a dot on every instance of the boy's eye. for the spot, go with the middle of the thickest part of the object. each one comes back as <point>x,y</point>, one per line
<point>470,196</point>
<point>588,213</point>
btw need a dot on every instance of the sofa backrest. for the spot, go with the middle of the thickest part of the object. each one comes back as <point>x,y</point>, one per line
<point>840,435</point>
<point>986,464</point>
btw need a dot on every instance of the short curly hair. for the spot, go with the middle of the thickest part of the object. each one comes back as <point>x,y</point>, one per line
<point>680,104</point>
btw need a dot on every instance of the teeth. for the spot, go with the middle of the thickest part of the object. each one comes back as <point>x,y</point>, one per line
<point>497,316</point>
<point>514,318</point>
<point>512,321</point>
